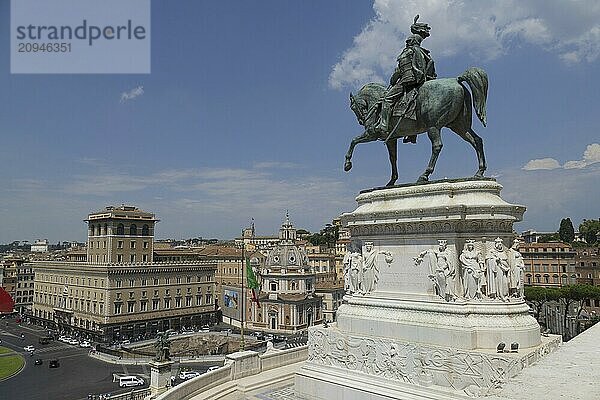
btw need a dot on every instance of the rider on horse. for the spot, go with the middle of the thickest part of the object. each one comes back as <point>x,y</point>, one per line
<point>415,66</point>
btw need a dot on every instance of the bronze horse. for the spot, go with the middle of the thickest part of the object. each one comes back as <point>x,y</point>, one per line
<point>440,103</point>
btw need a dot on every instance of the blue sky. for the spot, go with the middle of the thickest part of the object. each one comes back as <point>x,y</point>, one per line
<point>245,114</point>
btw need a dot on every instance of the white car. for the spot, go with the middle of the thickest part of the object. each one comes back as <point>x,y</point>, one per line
<point>213,368</point>
<point>63,338</point>
<point>183,375</point>
<point>29,348</point>
<point>74,342</point>
<point>127,381</point>
<point>85,343</point>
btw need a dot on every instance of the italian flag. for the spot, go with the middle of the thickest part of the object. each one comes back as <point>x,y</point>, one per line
<point>252,281</point>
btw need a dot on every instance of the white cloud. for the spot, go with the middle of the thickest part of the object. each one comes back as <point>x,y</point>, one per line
<point>132,94</point>
<point>591,155</point>
<point>541,163</point>
<point>552,195</point>
<point>477,29</point>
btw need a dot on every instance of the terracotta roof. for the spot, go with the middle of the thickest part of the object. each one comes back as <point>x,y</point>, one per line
<point>220,251</point>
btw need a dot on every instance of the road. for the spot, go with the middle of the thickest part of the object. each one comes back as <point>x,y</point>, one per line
<point>77,376</point>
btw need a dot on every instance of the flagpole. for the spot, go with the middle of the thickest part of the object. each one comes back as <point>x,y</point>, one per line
<point>242,345</point>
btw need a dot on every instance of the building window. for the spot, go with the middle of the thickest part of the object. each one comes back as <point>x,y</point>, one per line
<point>167,303</point>
<point>133,230</point>
<point>132,258</point>
<point>167,281</point>
<point>145,231</point>
<point>130,307</point>
<point>118,308</point>
<point>120,229</point>
<point>119,258</point>
<point>155,303</point>
<point>167,292</point>
<point>145,257</point>
<point>178,302</point>
<point>208,298</point>
<point>188,301</point>
<point>156,281</point>
<point>198,300</point>
<point>143,306</point>
<point>131,282</point>
<point>178,279</point>
<point>144,282</point>
<point>188,279</point>
<point>118,283</point>
<point>132,244</point>
<point>145,245</point>
<point>119,244</point>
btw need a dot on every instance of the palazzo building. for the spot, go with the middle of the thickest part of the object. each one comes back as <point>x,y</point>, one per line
<point>548,264</point>
<point>120,292</point>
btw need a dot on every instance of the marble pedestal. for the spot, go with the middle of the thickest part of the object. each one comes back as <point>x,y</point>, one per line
<point>160,377</point>
<point>396,333</point>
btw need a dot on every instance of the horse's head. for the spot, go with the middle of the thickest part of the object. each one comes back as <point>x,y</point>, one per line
<point>359,107</point>
<point>363,102</point>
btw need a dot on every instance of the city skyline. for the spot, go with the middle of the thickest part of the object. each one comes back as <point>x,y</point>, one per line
<point>257,121</point>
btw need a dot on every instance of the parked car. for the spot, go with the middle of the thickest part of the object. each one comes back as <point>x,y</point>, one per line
<point>213,368</point>
<point>184,375</point>
<point>73,342</point>
<point>38,361</point>
<point>128,381</point>
<point>29,348</point>
<point>54,364</point>
<point>85,343</point>
<point>63,338</point>
<point>205,329</point>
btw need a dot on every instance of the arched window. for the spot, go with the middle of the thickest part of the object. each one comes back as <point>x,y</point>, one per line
<point>145,230</point>
<point>120,229</point>
<point>105,229</point>
<point>92,230</point>
<point>133,230</point>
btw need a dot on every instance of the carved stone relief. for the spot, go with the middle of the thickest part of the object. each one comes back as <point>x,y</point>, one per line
<point>483,270</point>
<point>474,373</point>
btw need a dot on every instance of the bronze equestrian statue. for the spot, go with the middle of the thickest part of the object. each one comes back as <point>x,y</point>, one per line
<point>416,102</point>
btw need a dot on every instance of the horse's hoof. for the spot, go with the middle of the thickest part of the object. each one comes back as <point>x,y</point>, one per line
<point>422,179</point>
<point>390,183</point>
<point>347,166</point>
<point>478,175</point>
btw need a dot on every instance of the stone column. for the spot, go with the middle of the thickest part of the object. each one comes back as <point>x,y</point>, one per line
<point>160,376</point>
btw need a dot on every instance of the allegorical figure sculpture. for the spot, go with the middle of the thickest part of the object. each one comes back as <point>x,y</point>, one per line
<point>370,272</point>
<point>517,268</point>
<point>353,270</point>
<point>416,103</point>
<point>473,270</point>
<point>162,345</point>
<point>442,270</point>
<point>497,269</point>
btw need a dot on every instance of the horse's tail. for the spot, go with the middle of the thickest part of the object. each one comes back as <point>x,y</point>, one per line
<point>478,82</point>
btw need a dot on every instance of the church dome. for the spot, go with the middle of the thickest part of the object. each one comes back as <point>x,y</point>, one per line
<point>286,255</point>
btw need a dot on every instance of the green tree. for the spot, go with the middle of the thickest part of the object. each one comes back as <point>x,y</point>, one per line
<point>576,295</point>
<point>539,295</point>
<point>566,232</point>
<point>589,228</point>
